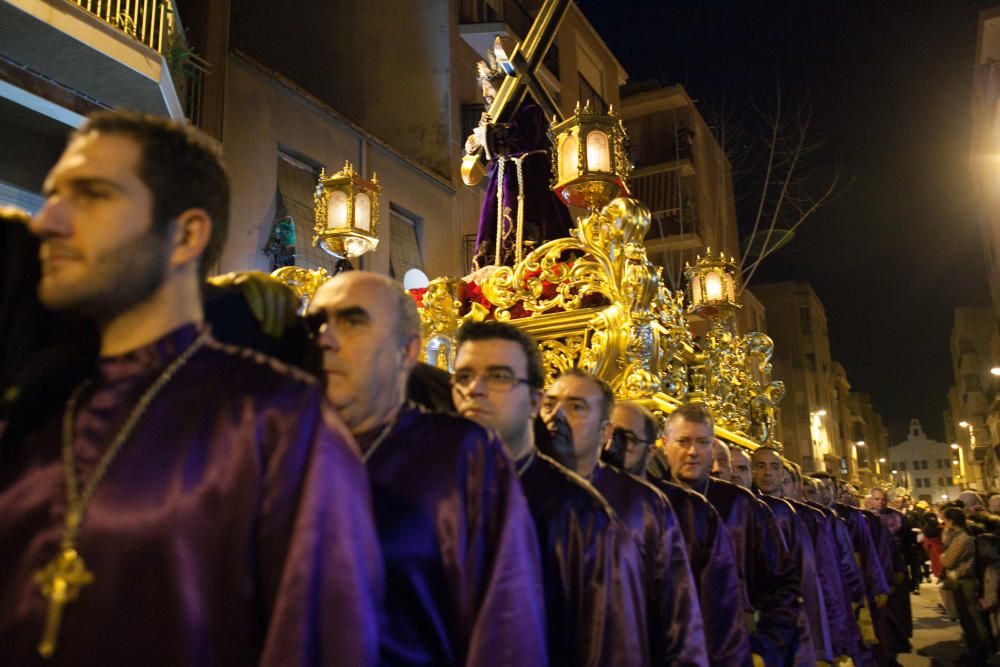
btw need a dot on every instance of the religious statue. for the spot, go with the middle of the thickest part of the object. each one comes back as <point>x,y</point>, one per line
<point>519,209</point>
<point>280,246</point>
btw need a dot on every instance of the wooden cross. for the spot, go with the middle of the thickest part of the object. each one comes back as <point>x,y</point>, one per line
<point>521,67</point>
<point>60,582</point>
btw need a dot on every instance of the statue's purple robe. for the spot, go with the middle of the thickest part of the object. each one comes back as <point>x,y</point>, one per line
<point>713,564</point>
<point>594,597</point>
<point>814,637</point>
<point>839,613</point>
<point>545,217</point>
<point>234,527</point>
<point>459,547</point>
<point>675,632</point>
<point>770,572</point>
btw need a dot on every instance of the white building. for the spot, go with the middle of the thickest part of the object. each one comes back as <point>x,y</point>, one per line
<point>931,470</point>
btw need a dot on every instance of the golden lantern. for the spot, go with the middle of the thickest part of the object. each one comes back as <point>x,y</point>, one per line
<point>712,286</point>
<point>346,208</point>
<point>588,158</point>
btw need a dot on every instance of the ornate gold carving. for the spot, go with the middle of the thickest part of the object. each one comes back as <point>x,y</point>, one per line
<point>304,282</point>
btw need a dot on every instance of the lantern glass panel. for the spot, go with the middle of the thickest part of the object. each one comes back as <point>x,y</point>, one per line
<point>362,212</point>
<point>713,287</point>
<point>598,153</point>
<point>337,210</point>
<point>696,297</point>
<point>568,157</point>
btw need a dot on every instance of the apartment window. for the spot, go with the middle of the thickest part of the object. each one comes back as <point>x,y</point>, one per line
<point>404,242</point>
<point>902,465</point>
<point>297,176</point>
<point>918,482</point>
<point>471,115</point>
<point>588,92</point>
<point>923,464</point>
<point>805,321</point>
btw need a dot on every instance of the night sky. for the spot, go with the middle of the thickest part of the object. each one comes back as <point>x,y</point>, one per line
<point>890,87</point>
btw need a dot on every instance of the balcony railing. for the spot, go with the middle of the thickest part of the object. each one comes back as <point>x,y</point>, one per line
<point>156,24</point>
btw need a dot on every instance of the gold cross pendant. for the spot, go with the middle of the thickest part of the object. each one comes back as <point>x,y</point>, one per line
<point>60,582</point>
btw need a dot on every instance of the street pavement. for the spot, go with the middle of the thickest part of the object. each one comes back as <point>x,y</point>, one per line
<point>937,641</point>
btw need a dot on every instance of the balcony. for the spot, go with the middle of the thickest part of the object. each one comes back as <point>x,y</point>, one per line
<point>665,188</point>
<point>117,53</point>
<point>480,21</point>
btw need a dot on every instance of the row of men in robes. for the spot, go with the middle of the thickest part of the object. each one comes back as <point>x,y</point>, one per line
<point>190,502</point>
<point>874,587</point>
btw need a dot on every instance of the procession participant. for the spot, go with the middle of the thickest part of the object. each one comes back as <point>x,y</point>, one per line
<point>213,481</point>
<point>849,568</point>
<point>814,630</point>
<point>768,573</point>
<point>867,557</point>
<point>843,632</point>
<point>676,636</point>
<point>710,550</point>
<point>457,540</point>
<point>592,586</point>
<point>722,462</point>
<point>741,467</point>
<point>637,427</point>
<point>898,615</point>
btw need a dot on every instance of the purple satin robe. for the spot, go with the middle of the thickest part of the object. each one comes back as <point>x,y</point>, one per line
<point>594,597</point>
<point>233,528</point>
<point>839,613</point>
<point>463,578</point>
<point>771,574</point>
<point>713,564</point>
<point>897,617</point>
<point>675,632</point>
<point>867,556</point>
<point>545,217</point>
<point>814,636</point>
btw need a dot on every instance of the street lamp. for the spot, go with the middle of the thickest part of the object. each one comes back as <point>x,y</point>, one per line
<point>820,413</point>
<point>860,443</point>
<point>881,459</point>
<point>995,371</point>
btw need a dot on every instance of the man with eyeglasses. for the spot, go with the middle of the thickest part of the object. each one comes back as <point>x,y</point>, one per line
<point>589,563</point>
<point>674,625</point>
<point>463,581</point>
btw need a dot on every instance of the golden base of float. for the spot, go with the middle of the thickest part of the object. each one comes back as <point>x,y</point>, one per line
<point>594,300</point>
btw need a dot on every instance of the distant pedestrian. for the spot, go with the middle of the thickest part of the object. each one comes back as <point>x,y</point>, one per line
<point>959,558</point>
<point>988,552</point>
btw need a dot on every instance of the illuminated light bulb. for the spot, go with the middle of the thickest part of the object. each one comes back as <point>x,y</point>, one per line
<point>355,247</point>
<point>713,287</point>
<point>337,211</point>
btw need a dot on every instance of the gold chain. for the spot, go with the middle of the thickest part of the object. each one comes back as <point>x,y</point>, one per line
<point>62,578</point>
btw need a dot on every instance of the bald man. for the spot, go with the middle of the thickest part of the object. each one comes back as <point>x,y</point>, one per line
<point>463,572</point>
<point>742,474</point>
<point>722,462</point>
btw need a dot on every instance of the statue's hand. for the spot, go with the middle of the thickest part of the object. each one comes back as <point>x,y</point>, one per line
<point>272,303</point>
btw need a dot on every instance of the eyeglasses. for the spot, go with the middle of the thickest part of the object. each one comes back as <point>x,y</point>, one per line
<point>495,379</point>
<point>631,439</point>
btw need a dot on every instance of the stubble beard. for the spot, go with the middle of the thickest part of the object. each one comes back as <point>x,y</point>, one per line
<point>117,280</point>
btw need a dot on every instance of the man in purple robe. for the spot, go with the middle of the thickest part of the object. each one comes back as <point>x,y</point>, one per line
<point>897,534</point>
<point>768,572</point>
<point>742,474</point>
<point>463,580</point>
<point>520,176</point>
<point>848,567</point>
<point>844,638</point>
<point>866,556</point>
<point>590,566</point>
<point>675,632</point>
<point>814,637</point>
<point>710,550</point>
<point>191,503</point>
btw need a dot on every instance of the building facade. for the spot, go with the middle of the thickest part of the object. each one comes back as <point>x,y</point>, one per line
<point>929,469</point>
<point>968,416</point>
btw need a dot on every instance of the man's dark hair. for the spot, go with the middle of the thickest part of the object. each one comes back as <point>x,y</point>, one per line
<point>696,413</point>
<point>821,475</point>
<point>956,516</point>
<point>607,394</point>
<point>493,330</point>
<point>179,166</point>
